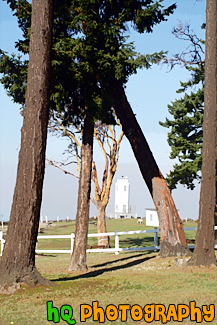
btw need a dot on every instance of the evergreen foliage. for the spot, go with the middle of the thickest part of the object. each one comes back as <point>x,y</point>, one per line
<point>186,134</point>
<point>90,47</point>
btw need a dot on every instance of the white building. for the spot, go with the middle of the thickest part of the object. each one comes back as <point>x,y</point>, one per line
<point>122,198</point>
<point>152,218</point>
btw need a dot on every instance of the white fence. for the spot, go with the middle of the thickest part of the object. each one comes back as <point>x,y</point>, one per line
<point>115,250</point>
<point>2,242</point>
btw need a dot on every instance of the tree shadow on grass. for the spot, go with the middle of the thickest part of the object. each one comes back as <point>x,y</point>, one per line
<point>137,242</point>
<point>45,255</point>
<point>119,260</point>
<point>95,273</point>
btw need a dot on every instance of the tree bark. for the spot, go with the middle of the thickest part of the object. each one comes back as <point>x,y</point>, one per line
<point>215,220</point>
<point>204,253</point>
<point>78,259</point>
<point>173,242</point>
<point>101,225</point>
<point>102,194</point>
<point>215,214</point>
<point>18,261</point>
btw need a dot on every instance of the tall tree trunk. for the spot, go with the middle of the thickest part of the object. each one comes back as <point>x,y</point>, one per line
<point>18,261</point>
<point>215,220</point>
<point>204,253</point>
<point>78,260</point>
<point>173,242</point>
<point>102,194</point>
<point>215,214</point>
<point>101,225</point>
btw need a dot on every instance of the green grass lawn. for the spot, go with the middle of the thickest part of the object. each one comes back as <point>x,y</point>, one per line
<point>128,278</point>
<point>142,240</point>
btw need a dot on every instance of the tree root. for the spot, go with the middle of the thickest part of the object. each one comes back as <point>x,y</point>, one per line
<point>13,280</point>
<point>168,250</point>
<point>77,268</point>
<point>200,261</point>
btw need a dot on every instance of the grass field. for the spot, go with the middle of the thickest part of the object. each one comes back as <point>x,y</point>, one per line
<point>128,278</point>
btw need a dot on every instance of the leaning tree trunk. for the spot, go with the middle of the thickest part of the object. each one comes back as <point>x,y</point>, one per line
<point>204,253</point>
<point>173,242</point>
<point>215,215</point>
<point>18,260</point>
<point>101,225</point>
<point>78,259</point>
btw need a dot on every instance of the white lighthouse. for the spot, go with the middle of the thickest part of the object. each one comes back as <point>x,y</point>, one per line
<point>122,198</point>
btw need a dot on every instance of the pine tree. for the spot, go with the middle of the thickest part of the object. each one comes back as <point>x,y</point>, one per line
<point>186,133</point>
<point>113,77</point>
<point>204,253</point>
<point>18,261</point>
<point>186,126</point>
<point>91,55</point>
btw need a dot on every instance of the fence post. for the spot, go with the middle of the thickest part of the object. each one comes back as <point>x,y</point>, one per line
<point>155,238</point>
<point>2,242</point>
<point>72,242</point>
<point>116,243</point>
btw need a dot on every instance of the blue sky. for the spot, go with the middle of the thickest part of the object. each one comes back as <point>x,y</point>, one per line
<point>149,93</point>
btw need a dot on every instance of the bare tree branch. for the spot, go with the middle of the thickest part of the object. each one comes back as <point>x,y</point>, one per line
<point>55,164</point>
<point>194,53</point>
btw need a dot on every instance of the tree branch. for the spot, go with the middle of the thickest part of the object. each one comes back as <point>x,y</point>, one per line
<point>52,163</point>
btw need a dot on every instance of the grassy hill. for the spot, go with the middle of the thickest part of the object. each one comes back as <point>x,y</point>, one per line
<point>128,278</point>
